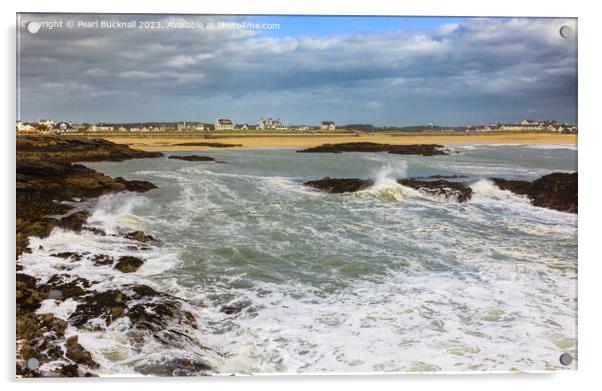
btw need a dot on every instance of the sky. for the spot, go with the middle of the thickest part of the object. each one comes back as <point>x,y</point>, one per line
<point>385,71</point>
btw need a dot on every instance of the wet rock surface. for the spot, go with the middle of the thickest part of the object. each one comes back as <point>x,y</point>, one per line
<point>457,191</point>
<point>557,191</point>
<point>409,149</point>
<point>192,158</point>
<point>340,185</point>
<point>454,190</point>
<point>77,353</point>
<point>47,177</point>
<point>140,237</point>
<point>128,264</point>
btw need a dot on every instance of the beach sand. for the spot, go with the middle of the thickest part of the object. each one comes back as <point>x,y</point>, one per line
<point>152,142</point>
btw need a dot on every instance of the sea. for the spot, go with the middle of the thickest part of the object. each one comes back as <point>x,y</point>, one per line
<point>385,280</point>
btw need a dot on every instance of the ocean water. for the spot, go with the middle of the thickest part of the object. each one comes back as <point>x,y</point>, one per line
<point>383,280</point>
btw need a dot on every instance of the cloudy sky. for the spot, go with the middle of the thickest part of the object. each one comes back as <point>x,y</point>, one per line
<point>389,71</point>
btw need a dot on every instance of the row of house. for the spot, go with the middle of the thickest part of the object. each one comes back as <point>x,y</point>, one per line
<point>268,124</point>
<point>526,125</point>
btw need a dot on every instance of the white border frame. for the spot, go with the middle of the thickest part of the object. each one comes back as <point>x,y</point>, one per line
<point>590,138</point>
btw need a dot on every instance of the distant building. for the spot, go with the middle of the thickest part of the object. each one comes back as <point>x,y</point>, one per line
<point>63,127</point>
<point>187,126</point>
<point>224,124</point>
<point>327,125</point>
<point>25,127</point>
<point>241,127</point>
<point>101,128</point>
<point>46,122</point>
<point>270,124</point>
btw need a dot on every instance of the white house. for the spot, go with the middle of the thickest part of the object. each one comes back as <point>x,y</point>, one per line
<point>24,127</point>
<point>224,124</point>
<point>63,127</point>
<point>241,127</point>
<point>101,128</point>
<point>46,122</point>
<point>327,125</point>
<point>270,124</point>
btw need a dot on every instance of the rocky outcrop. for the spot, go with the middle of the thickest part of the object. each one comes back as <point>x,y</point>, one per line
<point>192,158</point>
<point>78,354</point>
<point>457,191</point>
<point>409,149</point>
<point>140,237</point>
<point>556,191</point>
<point>339,185</point>
<point>75,149</point>
<point>47,177</point>
<point>128,264</point>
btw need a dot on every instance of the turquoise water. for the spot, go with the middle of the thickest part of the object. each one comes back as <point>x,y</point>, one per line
<point>387,279</point>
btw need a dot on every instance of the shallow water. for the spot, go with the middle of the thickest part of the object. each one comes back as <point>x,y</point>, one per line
<point>387,279</point>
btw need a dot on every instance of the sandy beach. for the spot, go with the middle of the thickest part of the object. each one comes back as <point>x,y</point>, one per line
<point>158,142</point>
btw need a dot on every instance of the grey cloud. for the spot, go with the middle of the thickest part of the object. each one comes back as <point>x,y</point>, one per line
<point>479,70</point>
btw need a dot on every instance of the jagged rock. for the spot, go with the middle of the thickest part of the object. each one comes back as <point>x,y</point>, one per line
<point>29,297</point>
<point>135,185</point>
<point>140,237</point>
<point>68,255</point>
<point>556,191</point>
<point>340,185</point>
<point>108,306</point>
<point>128,264</point>
<point>70,287</point>
<point>193,158</point>
<point>456,190</point>
<point>459,191</point>
<point>47,176</point>
<point>77,353</point>
<point>74,221</point>
<point>175,367</point>
<point>102,260</point>
<point>409,149</point>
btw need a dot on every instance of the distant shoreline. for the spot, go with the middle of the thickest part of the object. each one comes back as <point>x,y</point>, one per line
<point>162,142</point>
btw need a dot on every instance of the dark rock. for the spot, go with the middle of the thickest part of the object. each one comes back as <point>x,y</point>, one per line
<point>68,370</point>
<point>230,309</point>
<point>95,231</point>
<point>398,149</point>
<point>135,185</point>
<point>28,296</point>
<point>140,237</point>
<point>74,221</point>
<point>47,176</point>
<point>77,353</point>
<point>193,158</point>
<point>128,264</point>
<point>102,260</point>
<point>108,306</point>
<point>458,191</point>
<point>454,190</point>
<point>556,191</point>
<point>340,185</point>
<point>69,286</point>
<point>175,367</point>
<point>69,255</point>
